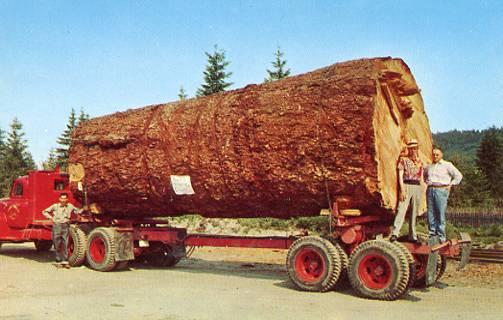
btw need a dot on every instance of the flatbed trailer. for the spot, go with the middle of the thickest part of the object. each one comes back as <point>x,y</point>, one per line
<point>356,248</point>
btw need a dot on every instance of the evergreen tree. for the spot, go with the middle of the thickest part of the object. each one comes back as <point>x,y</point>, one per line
<point>490,160</point>
<point>65,140</point>
<point>17,161</point>
<point>51,162</point>
<point>215,74</point>
<point>82,116</point>
<point>279,64</point>
<point>182,95</point>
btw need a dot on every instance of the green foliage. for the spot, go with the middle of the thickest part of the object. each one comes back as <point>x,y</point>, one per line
<point>82,116</point>
<point>182,95</point>
<point>65,140</point>
<point>490,160</point>
<point>215,74</point>
<point>15,158</point>
<point>478,155</point>
<point>51,162</point>
<point>279,68</point>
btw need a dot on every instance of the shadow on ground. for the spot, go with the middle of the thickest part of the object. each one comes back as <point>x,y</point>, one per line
<point>26,252</point>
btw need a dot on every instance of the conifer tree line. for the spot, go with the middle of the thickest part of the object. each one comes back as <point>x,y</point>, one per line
<point>16,160</point>
<point>482,184</point>
<point>216,75</point>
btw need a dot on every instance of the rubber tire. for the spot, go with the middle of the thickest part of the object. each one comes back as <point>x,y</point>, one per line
<point>43,245</point>
<point>394,257</point>
<point>122,265</point>
<point>79,239</point>
<point>343,277</point>
<point>412,264</point>
<point>441,269</point>
<point>326,251</point>
<point>163,257</point>
<point>420,282</point>
<point>107,235</point>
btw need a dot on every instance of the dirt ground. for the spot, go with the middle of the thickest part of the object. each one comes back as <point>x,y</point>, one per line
<point>223,283</point>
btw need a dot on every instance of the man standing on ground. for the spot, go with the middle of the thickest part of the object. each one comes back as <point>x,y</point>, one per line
<point>440,176</point>
<point>410,173</point>
<point>61,214</point>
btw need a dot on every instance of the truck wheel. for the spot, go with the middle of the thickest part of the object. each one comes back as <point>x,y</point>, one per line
<point>77,242</point>
<point>343,277</point>
<point>411,261</point>
<point>378,270</point>
<point>122,265</point>
<point>100,253</point>
<point>421,263</point>
<point>43,245</point>
<point>313,264</point>
<point>163,256</point>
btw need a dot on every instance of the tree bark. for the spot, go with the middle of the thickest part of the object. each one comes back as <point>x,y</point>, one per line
<point>279,149</point>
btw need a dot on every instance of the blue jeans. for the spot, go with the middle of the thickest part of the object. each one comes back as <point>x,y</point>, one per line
<point>60,240</point>
<point>437,204</point>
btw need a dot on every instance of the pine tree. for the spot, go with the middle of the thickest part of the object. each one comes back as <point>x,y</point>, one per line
<point>65,140</point>
<point>182,95</point>
<point>82,116</point>
<point>17,160</point>
<point>490,160</point>
<point>280,71</point>
<point>51,162</point>
<point>215,74</point>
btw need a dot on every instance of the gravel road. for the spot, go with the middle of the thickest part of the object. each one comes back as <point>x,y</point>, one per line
<point>213,284</point>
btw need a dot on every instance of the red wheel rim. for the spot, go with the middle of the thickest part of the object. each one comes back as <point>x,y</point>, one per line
<point>421,263</point>
<point>97,249</point>
<point>71,246</point>
<point>309,265</point>
<point>375,271</point>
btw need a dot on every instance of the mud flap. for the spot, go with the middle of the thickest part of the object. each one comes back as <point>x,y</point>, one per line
<point>466,249</point>
<point>431,268</point>
<point>124,246</point>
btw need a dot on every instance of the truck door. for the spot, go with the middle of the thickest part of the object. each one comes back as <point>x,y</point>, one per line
<point>18,206</point>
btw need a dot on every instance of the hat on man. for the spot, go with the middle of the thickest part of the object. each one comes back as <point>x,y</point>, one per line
<point>412,143</point>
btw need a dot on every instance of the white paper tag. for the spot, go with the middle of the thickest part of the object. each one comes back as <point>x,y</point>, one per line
<point>181,185</point>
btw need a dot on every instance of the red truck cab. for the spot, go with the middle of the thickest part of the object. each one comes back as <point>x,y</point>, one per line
<point>21,217</point>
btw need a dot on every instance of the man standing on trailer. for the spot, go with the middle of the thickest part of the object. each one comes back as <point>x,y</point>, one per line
<point>61,214</point>
<point>410,172</point>
<point>440,176</point>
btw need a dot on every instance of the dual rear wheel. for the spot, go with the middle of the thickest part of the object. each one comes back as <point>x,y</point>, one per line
<point>376,269</point>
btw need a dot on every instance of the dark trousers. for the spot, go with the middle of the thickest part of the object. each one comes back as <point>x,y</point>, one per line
<point>60,240</point>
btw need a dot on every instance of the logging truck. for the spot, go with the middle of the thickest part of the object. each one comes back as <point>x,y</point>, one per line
<point>325,142</point>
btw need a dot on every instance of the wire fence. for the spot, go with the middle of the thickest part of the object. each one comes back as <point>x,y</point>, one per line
<point>475,217</point>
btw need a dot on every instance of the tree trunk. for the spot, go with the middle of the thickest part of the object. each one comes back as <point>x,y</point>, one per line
<point>278,149</point>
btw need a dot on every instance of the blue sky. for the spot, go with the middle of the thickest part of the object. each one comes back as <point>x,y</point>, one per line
<point>108,56</point>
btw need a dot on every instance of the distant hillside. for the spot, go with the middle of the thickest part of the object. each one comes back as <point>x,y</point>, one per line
<point>461,144</point>
<point>457,143</point>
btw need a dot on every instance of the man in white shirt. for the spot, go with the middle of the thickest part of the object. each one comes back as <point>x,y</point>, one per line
<point>440,176</point>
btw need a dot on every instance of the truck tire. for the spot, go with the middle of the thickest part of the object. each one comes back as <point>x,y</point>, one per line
<point>77,242</point>
<point>122,265</point>
<point>100,253</point>
<point>43,245</point>
<point>313,264</point>
<point>163,256</point>
<point>421,263</point>
<point>412,264</point>
<point>343,281</point>
<point>378,270</point>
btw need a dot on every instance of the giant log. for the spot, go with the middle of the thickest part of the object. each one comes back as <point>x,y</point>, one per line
<point>280,149</point>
